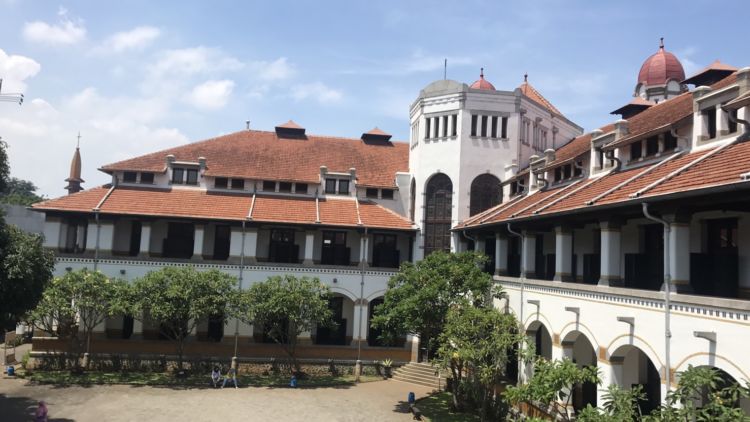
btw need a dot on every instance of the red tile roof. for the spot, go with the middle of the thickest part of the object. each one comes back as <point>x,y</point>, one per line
<point>661,67</point>
<point>263,155</point>
<point>198,203</point>
<point>533,94</point>
<point>575,148</point>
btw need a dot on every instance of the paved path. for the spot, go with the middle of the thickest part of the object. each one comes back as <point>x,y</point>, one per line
<point>371,401</point>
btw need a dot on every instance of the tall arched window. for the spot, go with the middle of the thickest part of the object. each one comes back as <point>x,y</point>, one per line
<point>438,213</point>
<point>485,193</point>
<point>413,199</point>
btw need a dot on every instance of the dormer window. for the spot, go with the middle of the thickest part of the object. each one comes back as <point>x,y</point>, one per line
<point>285,187</point>
<point>636,151</point>
<point>192,176</point>
<point>221,182</point>
<point>371,193</point>
<point>129,176</point>
<point>670,142</point>
<point>147,178</point>
<point>386,193</point>
<point>652,146</point>
<point>330,185</point>
<point>178,176</point>
<point>343,187</point>
<point>269,186</point>
<point>337,186</point>
<point>732,121</point>
<point>300,188</point>
<point>238,184</point>
<point>709,122</point>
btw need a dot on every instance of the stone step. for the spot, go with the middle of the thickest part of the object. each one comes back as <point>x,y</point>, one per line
<point>431,372</point>
<point>416,380</point>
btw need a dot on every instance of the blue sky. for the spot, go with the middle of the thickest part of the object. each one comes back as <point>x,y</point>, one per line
<point>135,77</point>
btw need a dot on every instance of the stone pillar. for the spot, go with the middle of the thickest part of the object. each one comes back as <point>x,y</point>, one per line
<point>679,253</point>
<point>607,378</point>
<point>90,236</point>
<point>145,239</point>
<point>528,255</point>
<point>52,228</point>
<point>198,242</point>
<point>449,132</point>
<point>251,244</point>
<point>309,245</point>
<point>137,329</point>
<point>434,127</point>
<point>722,122</point>
<point>413,341</point>
<point>456,242</point>
<point>610,254</point>
<point>563,254</point>
<point>360,324</point>
<point>501,255</point>
<point>363,253</point>
<point>479,246</point>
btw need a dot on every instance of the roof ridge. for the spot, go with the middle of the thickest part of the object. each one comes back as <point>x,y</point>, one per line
<point>524,209</point>
<point>541,98</point>
<point>389,211</point>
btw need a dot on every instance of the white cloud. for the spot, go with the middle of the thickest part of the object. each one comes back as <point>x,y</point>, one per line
<point>15,70</point>
<point>64,32</point>
<point>276,70</point>
<point>195,60</point>
<point>135,39</point>
<point>211,95</point>
<point>317,91</point>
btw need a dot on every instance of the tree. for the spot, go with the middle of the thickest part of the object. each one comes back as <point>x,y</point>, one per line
<point>20,192</point>
<point>178,299</point>
<point>25,271</point>
<point>619,406</point>
<point>475,346</point>
<point>74,304</point>
<point>287,306</point>
<point>420,295</point>
<point>552,384</point>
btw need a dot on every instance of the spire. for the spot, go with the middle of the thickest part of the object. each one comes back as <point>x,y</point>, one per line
<point>74,179</point>
<point>525,78</point>
<point>481,72</point>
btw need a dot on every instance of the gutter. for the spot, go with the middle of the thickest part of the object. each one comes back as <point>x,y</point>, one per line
<point>239,286</point>
<point>667,292</point>
<point>96,211</point>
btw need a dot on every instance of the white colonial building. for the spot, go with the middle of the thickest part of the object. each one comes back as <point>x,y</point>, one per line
<point>627,247</point>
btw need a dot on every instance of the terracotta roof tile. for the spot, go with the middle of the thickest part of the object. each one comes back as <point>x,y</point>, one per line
<point>185,203</point>
<point>284,209</point>
<point>533,94</point>
<point>84,201</point>
<point>576,147</point>
<point>374,215</point>
<point>264,156</point>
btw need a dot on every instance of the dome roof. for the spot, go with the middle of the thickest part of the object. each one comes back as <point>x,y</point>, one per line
<point>482,83</point>
<point>660,68</point>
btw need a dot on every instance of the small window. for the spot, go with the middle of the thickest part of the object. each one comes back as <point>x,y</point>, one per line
<point>330,185</point>
<point>444,129</point>
<point>178,176</point>
<point>427,128</point>
<point>709,119</point>
<point>652,145</point>
<point>129,176</point>
<point>454,127</point>
<point>494,127</point>
<point>504,128</point>
<point>344,187</point>
<point>386,193</point>
<point>285,186</point>
<point>558,174</point>
<point>567,171</point>
<point>474,119</point>
<point>238,184</point>
<point>371,193</point>
<point>147,178</point>
<point>670,142</point>
<point>484,126</point>
<point>635,151</point>
<point>300,188</point>
<point>578,169</point>
<point>192,176</point>
<point>221,182</point>
<point>732,124</point>
<point>269,186</point>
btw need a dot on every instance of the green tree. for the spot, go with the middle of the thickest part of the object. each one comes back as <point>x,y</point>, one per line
<point>551,385</point>
<point>286,306</point>
<point>74,304</point>
<point>420,295</point>
<point>20,192</point>
<point>25,271</point>
<point>178,299</point>
<point>619,406</point>
<point>475,346</point>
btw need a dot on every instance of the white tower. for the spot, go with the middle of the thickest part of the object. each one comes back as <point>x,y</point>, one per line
<point>467,139</point>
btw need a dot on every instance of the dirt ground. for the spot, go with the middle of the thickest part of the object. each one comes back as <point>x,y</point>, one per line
<point>372,401</point>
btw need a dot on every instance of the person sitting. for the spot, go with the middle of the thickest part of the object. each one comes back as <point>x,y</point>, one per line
<point>231,376</point>
<point>216,376</point>
<point>41,412</point>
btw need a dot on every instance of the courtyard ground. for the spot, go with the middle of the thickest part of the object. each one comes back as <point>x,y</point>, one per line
<point>371,401</point>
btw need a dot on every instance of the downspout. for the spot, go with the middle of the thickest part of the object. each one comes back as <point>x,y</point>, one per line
<point>610,155</point>
<point>667,292</point>
<point>745,135</point>
<point>239,287</point>
<point>96,247</point>
<point>522,280</point>
<point>365,242</point>
<point>541,178</point>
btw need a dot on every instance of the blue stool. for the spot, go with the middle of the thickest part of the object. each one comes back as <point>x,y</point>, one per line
<point>293,382</point>
<point>412,398</point>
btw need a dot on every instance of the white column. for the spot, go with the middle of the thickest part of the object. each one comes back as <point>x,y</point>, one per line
<point>145,239</point>
<point>52,228</point>
<point>528,255</point>
<point>563,254</point>
<point>251,245</point>
<point>679,254</point>
<point>359,324</point>
<point>309,245</point>
<point>610,254</point>
<point>90,236</point>
<point>607,378</point>
<point>434,127</point>
<point>479,246</point>
<point>198,241</point>
<point>450,126</point>
<point>456,242</point>
<point>722,122</point>
<point>501,255</point>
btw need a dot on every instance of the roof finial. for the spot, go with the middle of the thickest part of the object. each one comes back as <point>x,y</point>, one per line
<point>525,77</point>
<point>78,142</point>
<point>661,43</point>
<point>481,72</point>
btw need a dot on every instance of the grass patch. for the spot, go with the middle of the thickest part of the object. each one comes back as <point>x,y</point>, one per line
<point>168,379</point>
<point>437,408</point>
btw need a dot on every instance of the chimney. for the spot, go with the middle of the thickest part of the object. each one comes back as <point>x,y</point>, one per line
<point>743,79</point>
<point>291,130</point>
<point>621,128</point>
<point>202,163</point>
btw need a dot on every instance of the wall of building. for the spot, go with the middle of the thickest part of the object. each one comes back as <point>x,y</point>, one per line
<point>23,218</point>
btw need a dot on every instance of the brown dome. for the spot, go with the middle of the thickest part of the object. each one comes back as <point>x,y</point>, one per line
<point>482,83</point>
<point>660,68</point>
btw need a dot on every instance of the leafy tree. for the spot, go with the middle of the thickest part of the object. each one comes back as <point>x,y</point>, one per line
<point>475,346</point>
<point>551,385</point>
<point>25,271</point>
<point>73,305</point>
<point>420,295</point>
<point>178,299</point>
<point>619,406</point>
<point>286,306</point>
<point>20,192</point>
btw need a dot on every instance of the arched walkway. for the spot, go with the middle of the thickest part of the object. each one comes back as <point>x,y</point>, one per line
<point>632,367</point>
<point>343,315</point>
<point>726,381</point>
<point>541,338</point>
<point>578,348</point>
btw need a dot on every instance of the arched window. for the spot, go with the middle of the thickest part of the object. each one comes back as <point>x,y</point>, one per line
<point>485,193</point>
<point>438,213</point>
<point>413,199</point>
